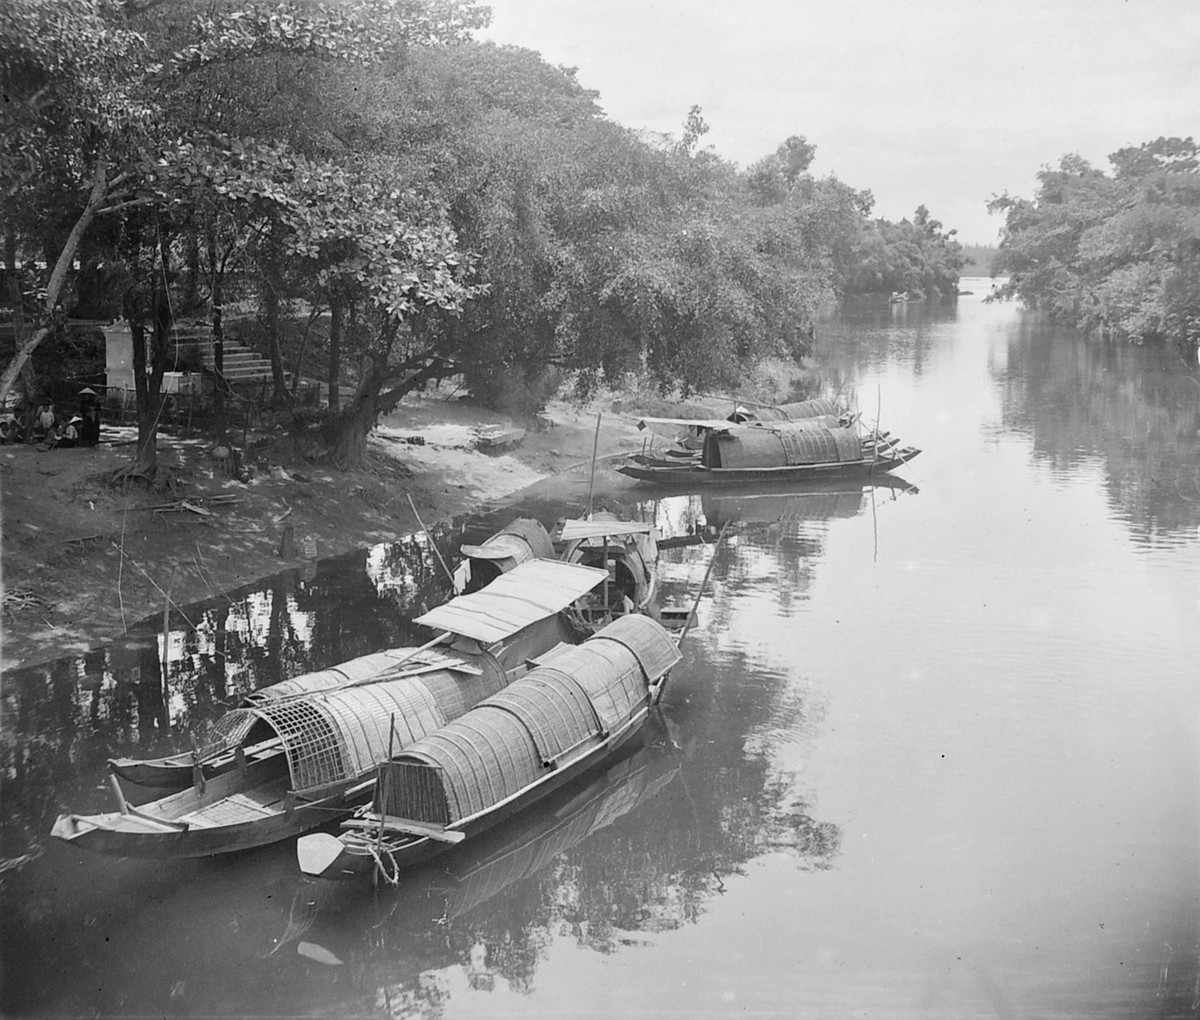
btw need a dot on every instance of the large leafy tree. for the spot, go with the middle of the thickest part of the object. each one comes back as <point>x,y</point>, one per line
<point>1115,252</point>
<point>91,119</point>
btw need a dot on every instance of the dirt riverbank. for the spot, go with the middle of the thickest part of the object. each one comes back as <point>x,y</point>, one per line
<point>81,560</point>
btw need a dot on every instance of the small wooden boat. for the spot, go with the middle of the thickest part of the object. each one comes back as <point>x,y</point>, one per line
<point>627,551</point>
<point>298,759</point>
<point>569,714</point>
<point>520,541</point>
<point>780,452</point>
<point>517,542</point>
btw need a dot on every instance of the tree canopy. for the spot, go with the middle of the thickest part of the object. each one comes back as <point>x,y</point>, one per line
<point>1117,252</point>
<point>444,207</point>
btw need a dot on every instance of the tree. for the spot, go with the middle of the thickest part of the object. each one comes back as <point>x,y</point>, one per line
<point>72,117</point>
<point>1116,253</point>
<point>90,120</point>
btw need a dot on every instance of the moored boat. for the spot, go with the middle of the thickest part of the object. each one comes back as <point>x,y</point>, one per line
<point>569,714</point>
<point>688,434</point>
<point>627,551</point>
<point>299,759</point>
<point>780,452</point>
<point>517,542</point>
<point>520,541</point>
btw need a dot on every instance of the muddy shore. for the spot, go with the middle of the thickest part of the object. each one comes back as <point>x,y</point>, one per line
<point>82,560</point>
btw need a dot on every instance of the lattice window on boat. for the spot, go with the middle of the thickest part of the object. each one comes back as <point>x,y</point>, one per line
<point>228,731</point>
<point>314,747</point>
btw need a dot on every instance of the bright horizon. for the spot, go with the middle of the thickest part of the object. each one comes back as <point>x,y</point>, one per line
<point>943,102</point>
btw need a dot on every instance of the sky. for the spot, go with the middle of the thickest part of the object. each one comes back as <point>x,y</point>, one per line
<point>944,103</point>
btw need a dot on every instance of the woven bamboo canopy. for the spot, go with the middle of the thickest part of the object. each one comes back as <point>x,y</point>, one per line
<point>784,445</point>
<point>505,743</point>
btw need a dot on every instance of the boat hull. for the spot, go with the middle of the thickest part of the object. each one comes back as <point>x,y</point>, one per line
<point>696,476</point>
<point>121,835</point>
<point>235,812</point>
<point>319,858</point>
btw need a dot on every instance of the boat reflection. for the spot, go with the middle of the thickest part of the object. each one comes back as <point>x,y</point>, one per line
<point>790,506</point>
<point>333,923</point>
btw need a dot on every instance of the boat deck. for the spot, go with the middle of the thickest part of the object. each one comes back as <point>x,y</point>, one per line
<point>247,806</point>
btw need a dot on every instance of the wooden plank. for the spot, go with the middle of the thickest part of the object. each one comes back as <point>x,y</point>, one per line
<point>390,823</point>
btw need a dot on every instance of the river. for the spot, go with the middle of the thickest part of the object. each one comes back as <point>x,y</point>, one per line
<point>932,750</point>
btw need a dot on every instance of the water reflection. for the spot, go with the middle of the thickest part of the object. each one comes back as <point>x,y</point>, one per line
<point>1136,408</point>
<point>596,867</point>
<point>917,757</point>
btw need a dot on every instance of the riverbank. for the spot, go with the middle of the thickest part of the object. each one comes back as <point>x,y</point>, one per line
<point>83,560</point>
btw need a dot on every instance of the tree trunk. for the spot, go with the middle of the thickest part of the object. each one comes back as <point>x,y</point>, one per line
<point>271,285</point>
<point>349,445</point>
<point>337,314</point>
<point>96,198</point>
<point>148,375</point>
<point>32,393</point>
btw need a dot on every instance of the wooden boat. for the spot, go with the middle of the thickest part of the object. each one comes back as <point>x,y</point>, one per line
<point>781,452</point>
<point>569,714</point>
<point>627,551</point>
<point>520,541</point>
<point>517,542</point>
<point>468,877</point>
<point>688,434</point>
<point>325,745</point>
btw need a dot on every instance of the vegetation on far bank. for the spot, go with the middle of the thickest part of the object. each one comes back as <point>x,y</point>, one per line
<point>1117,253</point>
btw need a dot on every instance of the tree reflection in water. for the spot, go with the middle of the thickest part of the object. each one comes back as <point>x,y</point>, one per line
<point>642,851</point>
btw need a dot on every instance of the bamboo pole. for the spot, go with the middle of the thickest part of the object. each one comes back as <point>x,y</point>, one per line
<point>595,447</point>
<point>428,535</point>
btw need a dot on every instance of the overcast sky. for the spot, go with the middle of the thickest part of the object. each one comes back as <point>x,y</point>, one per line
<point>945,102</point>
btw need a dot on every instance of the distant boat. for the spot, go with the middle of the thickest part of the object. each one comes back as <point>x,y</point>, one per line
<point>298,759</point>
<point>569,714</point>
<point>688,434</point>
<point>778,452</point>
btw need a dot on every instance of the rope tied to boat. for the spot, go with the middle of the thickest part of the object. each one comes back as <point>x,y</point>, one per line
<point>381,869</point>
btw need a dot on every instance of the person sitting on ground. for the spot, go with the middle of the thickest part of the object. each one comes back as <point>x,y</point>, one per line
<point>66,437</point>
<point>10,429</point>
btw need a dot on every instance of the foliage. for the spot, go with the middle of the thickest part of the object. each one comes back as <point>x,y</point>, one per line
<point>457,208</point>
<point>914,257</point>
<point>1114,252</point>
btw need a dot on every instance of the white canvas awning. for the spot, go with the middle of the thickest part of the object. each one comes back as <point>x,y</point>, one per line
<point>579,530</point>
<point>526,594</point>
<point>693,423</point>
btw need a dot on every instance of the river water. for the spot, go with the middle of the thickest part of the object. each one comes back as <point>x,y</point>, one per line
<point>932,750</point>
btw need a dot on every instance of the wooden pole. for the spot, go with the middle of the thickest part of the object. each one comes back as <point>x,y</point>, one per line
<point>120,794</point>
<point>595,447</point>
<point>432,544</point>
<point>382,793</point>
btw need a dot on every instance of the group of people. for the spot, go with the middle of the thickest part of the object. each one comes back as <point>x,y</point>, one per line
<point>54,430</point>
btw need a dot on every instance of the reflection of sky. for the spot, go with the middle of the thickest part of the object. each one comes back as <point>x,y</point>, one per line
<point>1006,728</point>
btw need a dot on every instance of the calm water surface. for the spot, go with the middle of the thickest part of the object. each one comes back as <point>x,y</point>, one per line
<point>931,752</point>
